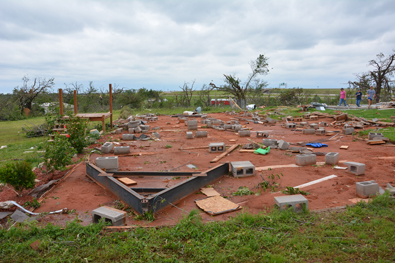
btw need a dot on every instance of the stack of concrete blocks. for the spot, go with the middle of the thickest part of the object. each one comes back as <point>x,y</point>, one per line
<point>242,169</point>
<point>305,159</point>
<point>272,143</point>
<point>128,137</point>
<point>320,131</point>
<point>121,149</point>
<point>356,168</point>
<point>236,127</point>
<point>323,124</point>
<point>290,125</point>
<point>367,189</point>
<point>114,216</point>
<point>189,135</point>
<point>244,133</point>
<point>110,164</point>
<point>263,134</point>
<point>192,125</point>
<point>295,201</point>
<point>107,147</point>
<point>314,126</point>
<point>283,145</point>
<point>308,131</point>
<point>348,131</point>
<point>216,147</point>
<point>118,131</point>
<point>332,158</point>
<point>201,134</point>
<point>303,124</point>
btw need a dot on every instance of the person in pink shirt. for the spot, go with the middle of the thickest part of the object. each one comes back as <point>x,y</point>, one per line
<point>342,97</point>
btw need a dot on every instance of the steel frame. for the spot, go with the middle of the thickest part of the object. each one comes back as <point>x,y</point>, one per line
<point>161,197</point>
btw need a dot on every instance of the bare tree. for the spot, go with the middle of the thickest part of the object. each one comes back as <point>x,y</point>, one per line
<point>383,69</point>
<point>204,95</point>
<point>234,87</point>
<point>26,94</point>
<point>69,91</point>
<point>363,82</point>
<point>187,92</point>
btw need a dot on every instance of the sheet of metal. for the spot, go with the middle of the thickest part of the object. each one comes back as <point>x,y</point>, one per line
<point>162,199</point>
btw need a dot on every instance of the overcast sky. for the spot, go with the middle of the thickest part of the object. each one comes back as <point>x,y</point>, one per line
<point>162,44</point>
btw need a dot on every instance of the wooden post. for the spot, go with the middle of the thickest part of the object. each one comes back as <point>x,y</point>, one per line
<point>75,102</point>
<point>111,106</point>
<point>103,123</point>
<point>61,102</point>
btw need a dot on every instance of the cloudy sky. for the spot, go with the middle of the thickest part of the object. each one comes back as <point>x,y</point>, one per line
<point>162,44</point>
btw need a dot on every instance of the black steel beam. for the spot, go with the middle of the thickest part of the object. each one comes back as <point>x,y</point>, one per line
<point>162,199</point>
<point>141,173</point>
<point>130,197</point>
<point>147,189</point>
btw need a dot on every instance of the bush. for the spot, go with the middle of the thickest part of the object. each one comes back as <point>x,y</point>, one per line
<point>58,153</point>
<point>76,128</point>
<point>19,175</point>
<point>125,112</point>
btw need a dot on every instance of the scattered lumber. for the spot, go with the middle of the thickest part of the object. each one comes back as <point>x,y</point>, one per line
<point>375,142</point>
<point>219,157</point>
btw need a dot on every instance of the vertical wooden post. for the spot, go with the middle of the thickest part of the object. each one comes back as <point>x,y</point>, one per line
<point>61,102</point>
<point>75,102</point>
<point>111,105</point>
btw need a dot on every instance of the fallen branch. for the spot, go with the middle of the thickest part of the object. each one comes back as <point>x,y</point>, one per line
<point>219,157</point>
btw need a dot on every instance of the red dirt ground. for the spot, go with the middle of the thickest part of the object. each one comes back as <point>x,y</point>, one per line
<point>80,193</point>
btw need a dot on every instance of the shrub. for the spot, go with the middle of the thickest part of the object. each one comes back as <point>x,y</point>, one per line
<point>19,175</point>
<point>125,112</point>
<point>76,128</point>
<point>58,153</point>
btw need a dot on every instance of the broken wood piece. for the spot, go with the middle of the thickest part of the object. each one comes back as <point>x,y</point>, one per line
<point>209,192</point>
<point>316,181</point>
<point>374,142</point>
<point>127,181</point>
<point>265,168</point>
<point>216,205</point>
<point>344,147</point>
<point>246,151</point>
<point>340,168</point>
<point>228,151</point>
<point>105,174</point>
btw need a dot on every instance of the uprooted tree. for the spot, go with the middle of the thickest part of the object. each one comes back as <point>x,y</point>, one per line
<point>234,86</point>
<point>383,69</point>
<point>26,94</point>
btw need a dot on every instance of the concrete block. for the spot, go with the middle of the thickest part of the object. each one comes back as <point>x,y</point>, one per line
<point>372,135</point>
<point>269,142</point>
<point>118,131</point>
<point>303,124</point>
<point>144,127</point>
<point>309,131</point>
<point>283,145</point>
<point>295,201</point>
<point>323,124</point>
<point>320,131</point>
<point>348,131</point>
<point>298,119</point>
<point>209,124</point>
<point>131,130</point>
<point>217,147</point>
<point>270,120</point>
<point>242,169</point>
<point>128,137</point>
<point>200,134</point>
<point>137,130</point>
<point>114,216</point>
<point>306,159</point>
<point>332,158</point>
<point>121,149</point>
<point>263,134</point>
<point>228,126</point>
<point>107,147</point>
<point>356,168</point>
<point>110,164</point>
<point>133,124</point>
<point>290,125</point>
<point>189,135</point>
<point>236,127</point>
<point>156,134</point>
<point>244,133</point>
<point>314,126</point>
<point>368,188</point>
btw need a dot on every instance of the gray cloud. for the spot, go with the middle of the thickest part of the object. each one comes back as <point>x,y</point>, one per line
<point>161,44</point>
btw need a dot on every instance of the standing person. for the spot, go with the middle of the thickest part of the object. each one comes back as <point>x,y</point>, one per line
<point>342,97</point>
<point>359,97</point>
<point>371,95</point>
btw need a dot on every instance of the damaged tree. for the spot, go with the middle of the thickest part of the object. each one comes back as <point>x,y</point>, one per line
<point>258,67</point>
<point>187,92</point>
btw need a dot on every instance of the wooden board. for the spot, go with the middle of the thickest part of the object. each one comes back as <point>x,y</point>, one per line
<point>246,151</point>
<point>344,147</point>
<point>209,192</point>
<point>265,168</point>
<point>216,205</point>
<point>219,157</point>
<point>127,181</point>
<point>373,142</point>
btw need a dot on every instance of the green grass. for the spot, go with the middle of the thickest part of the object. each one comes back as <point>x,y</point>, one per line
<point>362,233</point>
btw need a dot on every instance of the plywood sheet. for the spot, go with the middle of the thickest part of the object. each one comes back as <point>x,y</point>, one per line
<point>209,192</point>
<point>127,181</point>
<point>216,205</point>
